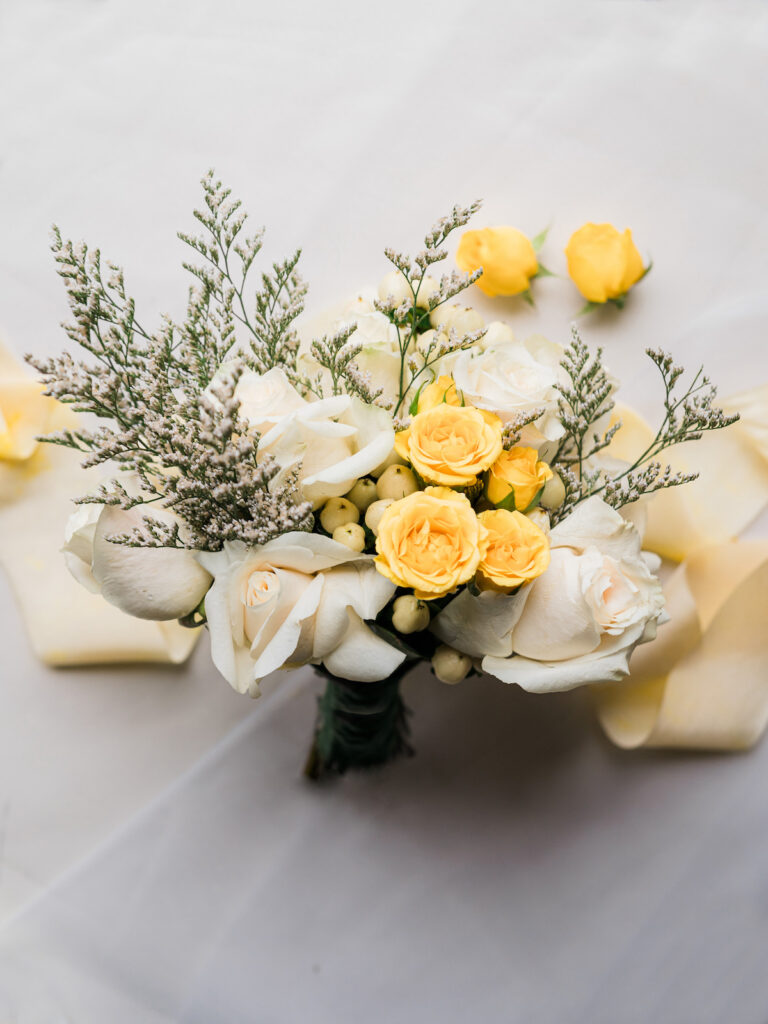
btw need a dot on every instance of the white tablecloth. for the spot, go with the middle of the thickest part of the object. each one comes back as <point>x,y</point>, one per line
<point>161,859</point>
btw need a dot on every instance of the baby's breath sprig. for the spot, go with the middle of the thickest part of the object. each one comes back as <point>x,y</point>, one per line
<point>412,316</point>
<point>513,428</point>
<point>336,353</point>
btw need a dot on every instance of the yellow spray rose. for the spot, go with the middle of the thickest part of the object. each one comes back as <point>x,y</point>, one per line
<point>506,255</point>
<point>431,541</point>
<point>441,391</point>
<point>24,414</point>
<point>451,444</point>
<point>520,473</point>
<point>517,551</point>
<point>603,263</point>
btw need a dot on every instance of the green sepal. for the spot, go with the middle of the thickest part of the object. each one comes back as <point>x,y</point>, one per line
<point>589,307</point>
<point>527,297</point>
<point>540,239</point>
<point>535,502</point>
<point>543,272</point>
<point>508,503</point>
<point>195,618</point>
<point>413,408</point>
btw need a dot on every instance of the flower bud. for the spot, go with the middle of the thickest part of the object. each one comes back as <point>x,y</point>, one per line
<point>427,289</point>
<point>394,285</point>
<point>506,255</point>
<point>462,319</point>
<point>409,614</point>
<point>553,495</point>
<point>497,333</point>
<point>363,493</point>
<point>450,665</point>
<point>351,535</point>
<point>338,512</point>
<point>396,482</point>
<point>374,513</point>
<point>603,263</point>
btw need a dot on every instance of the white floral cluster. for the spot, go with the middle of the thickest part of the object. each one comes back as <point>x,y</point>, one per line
<point>397,479</point>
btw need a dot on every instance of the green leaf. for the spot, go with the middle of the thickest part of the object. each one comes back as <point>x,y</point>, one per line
<point>540,239</point>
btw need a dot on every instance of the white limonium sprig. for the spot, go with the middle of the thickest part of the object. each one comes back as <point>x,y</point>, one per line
<point>587,399</point>
<point>411,316</point>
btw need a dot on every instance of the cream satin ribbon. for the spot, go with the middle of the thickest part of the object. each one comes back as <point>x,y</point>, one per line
<point>67,624</point>
<point>703,683</point>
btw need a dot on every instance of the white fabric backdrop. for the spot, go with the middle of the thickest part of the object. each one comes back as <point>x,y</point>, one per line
<point>161,859</point>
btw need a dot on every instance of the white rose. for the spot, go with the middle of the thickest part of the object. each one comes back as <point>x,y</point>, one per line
<point>580,621</point>
<point>148,583</point>
<point>333,442</point>
<point>266,397</point>
<point>515,377</point>
<point>299,598</point>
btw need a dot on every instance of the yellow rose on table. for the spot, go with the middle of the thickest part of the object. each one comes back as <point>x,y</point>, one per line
<point>451,445</point>
<point>506,255</point>
<point>517,551</point>
<point>430,542</point>
<point>603,262</point>
<point>519,474</point>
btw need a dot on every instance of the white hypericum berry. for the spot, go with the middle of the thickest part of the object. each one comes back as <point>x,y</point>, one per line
<point>450,665</point>
<point>462,319</point>
<point>553,494</point>
<point>396,482</point>
<point>393,285</point>
<point>393,459</point>
<point>427,289</point>
<point>540,517</point>
<point>374,514</point>
<point>352,536</point>
<point>363,493</point>
<point>409,614</point>
<point>338,512</point>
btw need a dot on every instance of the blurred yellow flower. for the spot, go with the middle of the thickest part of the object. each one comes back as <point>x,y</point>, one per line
<point>603,262</point>
<point>506,255</point>
<point>517,472</point>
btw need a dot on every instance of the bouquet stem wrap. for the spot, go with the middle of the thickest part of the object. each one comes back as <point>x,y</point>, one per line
<point>359,725</point>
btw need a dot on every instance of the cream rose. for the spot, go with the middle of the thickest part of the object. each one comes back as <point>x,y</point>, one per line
<point>515,377</point>
<point>299,598</point>
<point>580,621</point>
<point>332,442</point>
<point>149,583</point>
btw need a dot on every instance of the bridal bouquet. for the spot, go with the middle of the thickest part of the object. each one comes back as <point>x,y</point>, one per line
<point>404,482</point>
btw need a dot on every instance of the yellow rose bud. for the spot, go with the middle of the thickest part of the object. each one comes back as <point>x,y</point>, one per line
<point>518,549</point>
<point>451,444</point>
<point>363,494</point>
<point>603,263</point>
<point>351,535</point>
<point>450,665</point>
<point>374,513</point>
<point>338,512</point>
<point>396,482</point>
<point>506,255</point>
<point>441,391</point>
<point>24,413</point>
<point>409,614</point>
<point>430,542</point>
<point>520,473</point>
